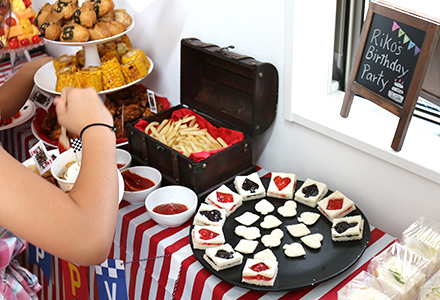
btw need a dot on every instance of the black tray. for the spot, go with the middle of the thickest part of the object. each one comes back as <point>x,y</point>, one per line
<point>315,267</point>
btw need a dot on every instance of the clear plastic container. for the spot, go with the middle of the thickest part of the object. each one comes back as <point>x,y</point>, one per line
<point>431,289</point>
<point>423,237</point>
<point>366,287</point>
<point>400,268</point>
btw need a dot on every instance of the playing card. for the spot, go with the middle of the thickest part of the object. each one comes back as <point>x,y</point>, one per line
<point>152,101</point>
<point>41,98</point>
<point>41,157</point>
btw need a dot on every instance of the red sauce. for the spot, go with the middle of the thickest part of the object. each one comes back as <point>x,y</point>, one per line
<point>257,277</point>
<point>224,197</point>
<point>260,267</point>
<point>335,204</point>
<point>170,208</point>
<point>120,165</point>
<point>134,182</point>
<point>206,234</point>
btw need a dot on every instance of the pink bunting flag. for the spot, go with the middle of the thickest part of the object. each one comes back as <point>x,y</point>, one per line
<point>395,26</point>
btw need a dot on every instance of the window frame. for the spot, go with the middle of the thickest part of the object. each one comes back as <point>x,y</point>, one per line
<point>308,86</point>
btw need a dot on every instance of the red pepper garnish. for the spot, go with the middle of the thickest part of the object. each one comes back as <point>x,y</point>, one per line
<point>335,204</point>
<point>260,267</point>
<point>206,234</point>
<point>225,197</point>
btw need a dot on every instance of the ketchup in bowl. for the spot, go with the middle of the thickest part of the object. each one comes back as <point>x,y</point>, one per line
<point>170,208</point>
<point>133,182</point>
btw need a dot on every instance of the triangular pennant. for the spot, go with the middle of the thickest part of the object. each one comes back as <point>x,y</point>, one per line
<point>411,44</point>
<point>41,258</point>
<point>75,281</point>
<point>406,39</point>
<point>401,32</point>
<point>395,26</point>
<point>110,277</point>
<point>416,50</point>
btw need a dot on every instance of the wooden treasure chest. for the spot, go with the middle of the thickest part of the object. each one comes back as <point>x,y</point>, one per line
<point>232,96</point>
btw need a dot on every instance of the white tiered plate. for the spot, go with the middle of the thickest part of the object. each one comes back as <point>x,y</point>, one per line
<point>85,44</point>
<point>46,79</point>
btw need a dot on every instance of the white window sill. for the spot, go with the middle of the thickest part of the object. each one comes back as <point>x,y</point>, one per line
<point>371,129</point>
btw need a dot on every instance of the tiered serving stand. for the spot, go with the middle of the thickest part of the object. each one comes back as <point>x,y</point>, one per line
<point>45,78</point>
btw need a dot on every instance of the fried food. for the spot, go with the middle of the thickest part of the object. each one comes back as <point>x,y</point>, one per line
<point>184,135</point>
<point>99,31</point>
<point>43,15</point>
<point>74,33</point>
<point>85,15</point>
<point>51,31</point>
<point>122,16</point>
<point>103,7</point>
<point>51,128</point>
<point>134,99</point>
<point>114,27</point>
<point>67,12</point>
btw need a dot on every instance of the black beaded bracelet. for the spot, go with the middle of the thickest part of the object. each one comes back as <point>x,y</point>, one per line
<point>112,128</point>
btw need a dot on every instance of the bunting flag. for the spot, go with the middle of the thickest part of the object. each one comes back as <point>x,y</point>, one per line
<point>110,277</point>
<point>406,38</point>
<point>41,258</point>
<point>75,281</point>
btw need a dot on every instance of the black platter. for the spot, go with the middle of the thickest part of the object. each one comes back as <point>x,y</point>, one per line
<point>317,266</point>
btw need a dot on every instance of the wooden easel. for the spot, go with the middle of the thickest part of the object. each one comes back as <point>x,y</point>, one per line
<point>393,35</point>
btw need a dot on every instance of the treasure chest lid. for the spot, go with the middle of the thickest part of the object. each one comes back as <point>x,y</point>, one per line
<point>228,86</point>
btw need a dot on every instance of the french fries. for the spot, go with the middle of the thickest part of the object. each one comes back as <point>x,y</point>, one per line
<point>184,135</point>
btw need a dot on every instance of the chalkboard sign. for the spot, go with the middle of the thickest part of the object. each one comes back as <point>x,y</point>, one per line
<point>391,62</point>
<point>390,56</point>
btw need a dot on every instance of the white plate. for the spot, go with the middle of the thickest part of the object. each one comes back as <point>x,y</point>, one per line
<point>130,27</point>
<point>55,152</point>
<point>35,133</point>
<point>46,79</point>
<point>26,112</point>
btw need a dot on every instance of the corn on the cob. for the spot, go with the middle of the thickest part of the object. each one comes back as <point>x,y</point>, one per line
<point>89,77</point>
<point>134,70</point>
<point>112,76</point>
<point>64,61</point>
<point>110,54</point>
<point>65,77</point>
<point>123,44</point>
<point>105,47</point>
<point>135,54</point>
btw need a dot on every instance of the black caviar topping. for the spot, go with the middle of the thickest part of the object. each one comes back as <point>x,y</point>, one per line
<point>310,191</point>
<point>212,215</point>
<point>343,226</point>
<point>249,185</point>
<point>225,254</point>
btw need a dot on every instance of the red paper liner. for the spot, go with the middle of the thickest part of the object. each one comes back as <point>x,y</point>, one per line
<point>230,136</point>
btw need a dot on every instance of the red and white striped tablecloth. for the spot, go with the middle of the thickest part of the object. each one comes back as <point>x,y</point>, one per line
<point>17,140</point>
<point>160,264</point>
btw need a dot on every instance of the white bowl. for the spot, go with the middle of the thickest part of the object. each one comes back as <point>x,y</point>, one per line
<point>172,194</point>
<point>59,164</point>
<point>151,173</point>
<point>63,159</point>
<point>123,157</point>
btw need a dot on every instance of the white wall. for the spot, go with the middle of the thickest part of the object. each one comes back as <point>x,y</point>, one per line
<point>391,198</point>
